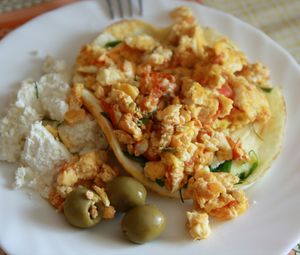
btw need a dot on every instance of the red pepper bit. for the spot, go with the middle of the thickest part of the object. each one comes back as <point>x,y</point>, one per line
<point>108,108</point>
<point>226,91</point>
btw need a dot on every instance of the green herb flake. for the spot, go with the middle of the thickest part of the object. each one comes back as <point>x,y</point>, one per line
<point>112,44</point>
<point>266,89</point>
<point>149,115</point>
<point>143,121</point>
<point>105,114</point>
<point>36,89</point>
<point>160,182</point>
<point>169,149</point>
<point>181,197</point>
<point>140,159</point>
<point>224,167</point>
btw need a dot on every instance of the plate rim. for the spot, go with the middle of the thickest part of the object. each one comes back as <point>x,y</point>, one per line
<point>283,51</point>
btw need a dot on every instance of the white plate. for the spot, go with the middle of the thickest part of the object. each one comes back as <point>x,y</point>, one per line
<point>270,226</point>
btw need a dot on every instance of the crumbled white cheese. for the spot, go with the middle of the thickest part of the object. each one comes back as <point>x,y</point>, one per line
<point>54,88</point>
<point>35,100</point>
<point>41,157</point>
<point>13,129</point>
<point>53,93</point>
<point>83,136</point>
<point>42,152</point>
<point>25,177</point>
<point>28,96</point>
<point>52,65</point>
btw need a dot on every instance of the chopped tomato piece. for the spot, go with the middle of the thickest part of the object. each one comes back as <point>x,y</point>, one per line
<point>108,108</point>
<point>149,103</point>
<point>226,91</point>
<point>160,86</point>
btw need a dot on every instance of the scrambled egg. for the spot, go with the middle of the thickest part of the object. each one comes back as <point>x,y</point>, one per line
<point>89,169</point>
<point>175,101</point>
<point>215,194</point>
<point>198,225</point>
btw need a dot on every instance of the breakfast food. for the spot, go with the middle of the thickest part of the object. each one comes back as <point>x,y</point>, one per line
<point>198,225</point>
<point>63,154</point>
<point>89,169</point>
<point>181,109</point>
<point>34,133</point>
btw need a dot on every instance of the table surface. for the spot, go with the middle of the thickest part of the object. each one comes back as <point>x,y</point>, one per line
<point>280,19</point>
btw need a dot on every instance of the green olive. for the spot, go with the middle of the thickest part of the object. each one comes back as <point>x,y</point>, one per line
<point>82,209</point>
<point>125,193</point>
<point>143,223</point>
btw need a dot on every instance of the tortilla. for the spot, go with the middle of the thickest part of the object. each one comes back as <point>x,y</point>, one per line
<point>266,140</point>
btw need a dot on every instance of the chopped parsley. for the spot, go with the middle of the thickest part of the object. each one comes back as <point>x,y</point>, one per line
<point>169,149</point>
<point>143,121</point>
<point>105,114</point>
<point>149,115</point>
<point>160,182</point>
<point>181,197</point>
<point>112,44</point>
<point>265,89</point>
<point>36,89</point>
